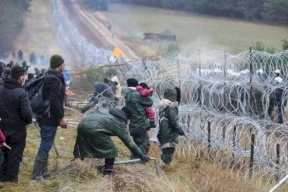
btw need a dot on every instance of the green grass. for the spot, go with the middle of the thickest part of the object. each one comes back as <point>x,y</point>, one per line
<point>195,32</point>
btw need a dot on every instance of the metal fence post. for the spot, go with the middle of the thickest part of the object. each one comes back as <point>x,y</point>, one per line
<point>252,155</point>
<point>209,136</point>
<point>224,133</point>
<point>233,145</point>
<point>277,160</point>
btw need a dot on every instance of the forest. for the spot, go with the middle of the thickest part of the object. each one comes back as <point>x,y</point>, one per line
<point>269,11</point>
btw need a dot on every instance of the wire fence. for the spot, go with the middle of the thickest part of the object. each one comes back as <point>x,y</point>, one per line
<point>70,39</point>
<point>228,105</point>
<point>229,102</point>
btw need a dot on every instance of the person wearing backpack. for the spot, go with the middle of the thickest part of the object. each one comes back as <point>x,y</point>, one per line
<point>53,90</point>
<point>15,114</point>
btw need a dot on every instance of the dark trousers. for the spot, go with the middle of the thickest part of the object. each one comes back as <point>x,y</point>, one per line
<point>143,143</point>
<point>280,113</point>
<point>12,158</point>
<point>66,102</point>
<point>1,158</point>
<point>108,167</point>
<point>280,106</point>
<point>167,155</point>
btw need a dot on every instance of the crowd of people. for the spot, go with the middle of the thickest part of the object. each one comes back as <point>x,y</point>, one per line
<point>20,56</point>
<point>32,70</point>
<point>16,114</point>
<point>94,131</point>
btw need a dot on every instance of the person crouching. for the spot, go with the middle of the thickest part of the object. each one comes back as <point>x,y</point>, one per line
<point>94,136</point>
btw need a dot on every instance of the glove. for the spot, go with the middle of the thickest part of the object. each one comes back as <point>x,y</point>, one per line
<point>147,128</point>
<point>152,123</point>
<point>145,158</point>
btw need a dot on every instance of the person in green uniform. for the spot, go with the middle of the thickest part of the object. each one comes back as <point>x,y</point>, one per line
<point>170,128</point>
<point>94,134</point>
<point>139,124</point>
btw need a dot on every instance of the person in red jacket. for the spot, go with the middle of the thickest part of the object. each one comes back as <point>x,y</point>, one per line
<point>3,144</point>
<point>146,91</point>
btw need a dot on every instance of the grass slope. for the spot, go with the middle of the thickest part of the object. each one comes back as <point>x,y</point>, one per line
<point>188,172</point>
<point>195,32</point>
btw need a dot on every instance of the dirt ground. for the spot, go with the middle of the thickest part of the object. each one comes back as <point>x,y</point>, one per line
<point>96,30</point>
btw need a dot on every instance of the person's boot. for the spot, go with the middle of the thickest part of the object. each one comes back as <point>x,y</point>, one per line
<point>108,167</point>
<point>1,184</point>
<point>107,171</point>
<point>39,168</point>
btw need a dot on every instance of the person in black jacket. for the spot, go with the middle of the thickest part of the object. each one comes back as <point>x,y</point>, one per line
<point>53,90</point>
<point>15,114</point>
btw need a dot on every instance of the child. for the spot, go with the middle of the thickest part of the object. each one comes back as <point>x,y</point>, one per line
<point>170,128</point>
<point>146,91</point>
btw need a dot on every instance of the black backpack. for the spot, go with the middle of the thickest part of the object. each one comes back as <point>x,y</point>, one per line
<point>34,88</point>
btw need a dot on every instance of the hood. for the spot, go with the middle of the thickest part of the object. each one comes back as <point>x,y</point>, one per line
<point>114,79</point>
<point>31,70</point>
<point>56,73</point>
<point>170,94</point>
<point>164,103</point>
<point>118,113</point>
<point>115,82</point>
<point>101,84</point>
<point>11,84</point>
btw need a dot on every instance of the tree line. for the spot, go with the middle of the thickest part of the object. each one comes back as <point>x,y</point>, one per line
<point>271,11</point>
<point>11,21</point>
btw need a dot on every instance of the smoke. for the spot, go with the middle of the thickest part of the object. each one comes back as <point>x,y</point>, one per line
<point>202,43</point>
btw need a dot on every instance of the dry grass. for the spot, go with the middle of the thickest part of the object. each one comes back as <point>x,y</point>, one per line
<point>192,170</point>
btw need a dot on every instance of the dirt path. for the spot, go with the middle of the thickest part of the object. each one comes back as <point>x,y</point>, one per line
<point>83,28</point>
<point>95,31</point>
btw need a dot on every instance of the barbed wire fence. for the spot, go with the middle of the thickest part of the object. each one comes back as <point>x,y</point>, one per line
<point>227,100</point>
<point>228,104</point>
<point>74,44</point>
